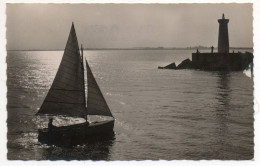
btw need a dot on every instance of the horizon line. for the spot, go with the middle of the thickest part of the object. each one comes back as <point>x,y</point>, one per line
<point>134,48</point>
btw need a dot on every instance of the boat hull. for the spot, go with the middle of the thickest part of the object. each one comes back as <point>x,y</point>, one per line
<point>77,134</point>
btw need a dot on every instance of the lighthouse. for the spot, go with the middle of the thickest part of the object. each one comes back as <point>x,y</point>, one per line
<point>223,42</point>
<point>216,61</point>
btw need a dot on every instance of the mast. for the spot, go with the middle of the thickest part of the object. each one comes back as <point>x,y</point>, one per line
<point>82,66</point>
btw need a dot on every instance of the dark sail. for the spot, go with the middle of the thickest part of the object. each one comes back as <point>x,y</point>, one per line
<point>66,96</point>
<point>96,103</point>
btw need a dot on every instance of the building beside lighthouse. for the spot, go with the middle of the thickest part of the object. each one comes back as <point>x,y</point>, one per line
<point>221,60</point>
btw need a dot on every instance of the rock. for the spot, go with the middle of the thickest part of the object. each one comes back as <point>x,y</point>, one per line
<point>170,66</point>
<point>186,64</point>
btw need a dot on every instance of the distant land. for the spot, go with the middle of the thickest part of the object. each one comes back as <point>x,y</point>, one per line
<point>142,48</point>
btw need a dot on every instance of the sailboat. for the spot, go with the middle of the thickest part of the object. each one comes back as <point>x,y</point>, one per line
<point>66,98</point>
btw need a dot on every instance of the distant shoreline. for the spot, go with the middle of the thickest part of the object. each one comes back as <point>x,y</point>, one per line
<point>141,48</point>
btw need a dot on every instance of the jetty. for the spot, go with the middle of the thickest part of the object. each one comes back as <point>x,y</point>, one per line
<point>221,60</point>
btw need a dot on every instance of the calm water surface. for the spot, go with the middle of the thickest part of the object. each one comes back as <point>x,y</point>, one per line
<point>160,114</point>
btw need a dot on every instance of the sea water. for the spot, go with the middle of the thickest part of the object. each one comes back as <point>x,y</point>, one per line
<point>160,114</point>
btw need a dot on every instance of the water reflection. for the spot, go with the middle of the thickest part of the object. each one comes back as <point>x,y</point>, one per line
<point>222,113</point>
<point>223,92</point>
<point>84,150</point>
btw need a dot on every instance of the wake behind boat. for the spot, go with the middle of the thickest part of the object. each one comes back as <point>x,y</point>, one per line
<point>66,98</point>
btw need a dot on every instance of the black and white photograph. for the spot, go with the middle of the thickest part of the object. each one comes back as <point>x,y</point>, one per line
<point>124,82</point>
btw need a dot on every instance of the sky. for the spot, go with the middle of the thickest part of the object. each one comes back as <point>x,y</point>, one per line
<point>47,26</point>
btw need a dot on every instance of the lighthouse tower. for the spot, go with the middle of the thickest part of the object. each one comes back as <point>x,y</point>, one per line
<point>223,42</point>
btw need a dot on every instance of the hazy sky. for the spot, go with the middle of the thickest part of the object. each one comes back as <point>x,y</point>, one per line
<point>46,26</point>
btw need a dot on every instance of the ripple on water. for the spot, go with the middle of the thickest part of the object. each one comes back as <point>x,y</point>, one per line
<point>160,114</point>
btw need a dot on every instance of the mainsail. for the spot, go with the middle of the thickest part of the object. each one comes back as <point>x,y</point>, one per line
<point>66,96</point>
<point>96,103</point>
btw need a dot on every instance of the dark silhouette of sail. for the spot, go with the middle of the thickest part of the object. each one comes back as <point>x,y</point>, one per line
<point>66,96</point>
<point>96,103</point>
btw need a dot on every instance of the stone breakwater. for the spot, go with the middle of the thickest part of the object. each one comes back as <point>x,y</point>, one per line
<point>214,61</point>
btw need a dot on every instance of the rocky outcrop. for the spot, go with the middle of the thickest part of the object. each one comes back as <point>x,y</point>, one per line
<point>186,64</point>
<point>170,66</point>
